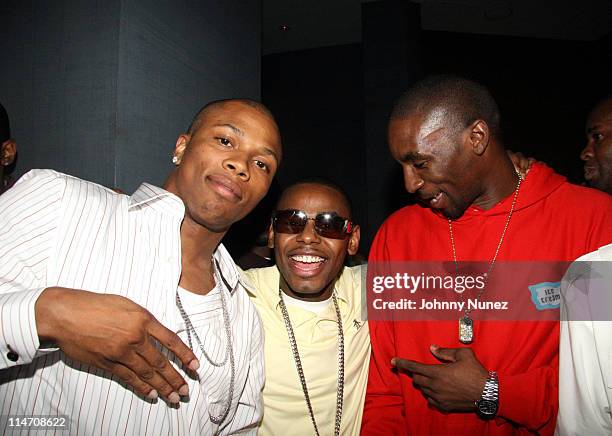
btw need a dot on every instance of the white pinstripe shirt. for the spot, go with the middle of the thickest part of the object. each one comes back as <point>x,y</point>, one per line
<point>57,230</point>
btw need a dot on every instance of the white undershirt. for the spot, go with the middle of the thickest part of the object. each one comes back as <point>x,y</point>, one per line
<point>312,306</point>
<point>191,299</point>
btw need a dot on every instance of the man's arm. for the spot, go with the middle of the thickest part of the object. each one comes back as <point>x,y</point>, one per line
<point>114,333</point>
<point>531,399</point>
<point>383,412</point>
<point>528,399</point>
<point>521,163</point>
<point>29,217</point>
<point>107,331</point>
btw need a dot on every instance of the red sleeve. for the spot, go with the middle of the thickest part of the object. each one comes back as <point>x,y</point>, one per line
<point>384,403</point>
<point>531,399</point>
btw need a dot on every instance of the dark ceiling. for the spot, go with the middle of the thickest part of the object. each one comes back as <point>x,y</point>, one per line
<point>319,23</point>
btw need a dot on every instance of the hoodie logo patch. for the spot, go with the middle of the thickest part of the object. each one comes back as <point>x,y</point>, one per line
<point>546,295</point>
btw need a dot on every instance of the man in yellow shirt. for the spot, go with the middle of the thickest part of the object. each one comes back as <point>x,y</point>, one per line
<point>317,344</point>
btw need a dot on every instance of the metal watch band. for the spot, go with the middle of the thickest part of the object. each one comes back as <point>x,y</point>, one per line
<point>491,387</point>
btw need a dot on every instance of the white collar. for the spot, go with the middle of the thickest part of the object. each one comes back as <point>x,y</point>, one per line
<point>312,306</point>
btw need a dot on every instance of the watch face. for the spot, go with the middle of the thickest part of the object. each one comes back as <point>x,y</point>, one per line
<point>487,408</point>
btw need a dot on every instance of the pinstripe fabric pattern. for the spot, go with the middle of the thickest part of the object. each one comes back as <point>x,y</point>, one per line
<point>57,230</point>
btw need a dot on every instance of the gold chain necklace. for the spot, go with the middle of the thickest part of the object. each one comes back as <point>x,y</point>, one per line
<point>466,324</point>
<point>298,364</point>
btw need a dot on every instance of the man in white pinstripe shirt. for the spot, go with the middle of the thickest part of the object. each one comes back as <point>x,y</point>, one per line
<point>116,282</point>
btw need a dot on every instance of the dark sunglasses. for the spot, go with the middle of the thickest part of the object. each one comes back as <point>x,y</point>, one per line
<point>326,224</point>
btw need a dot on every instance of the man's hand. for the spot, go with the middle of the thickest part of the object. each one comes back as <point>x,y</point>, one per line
<point>521,163</point>
<point>451,387</point>
<point>114,333</point>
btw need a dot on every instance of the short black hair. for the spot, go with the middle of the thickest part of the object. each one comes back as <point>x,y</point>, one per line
<point>323,182</point>
<point>5,126</point>
<point>466,99</point>
<point>197,119</point>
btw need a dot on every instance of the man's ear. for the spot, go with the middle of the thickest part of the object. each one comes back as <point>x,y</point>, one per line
<point>179,149</point>
<point>8,150</point>
<point>353,242</point>
<point>479,136</point>
<point>270,237</point>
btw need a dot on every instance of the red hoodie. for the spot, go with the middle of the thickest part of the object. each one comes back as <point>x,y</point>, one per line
<point>553,220</point>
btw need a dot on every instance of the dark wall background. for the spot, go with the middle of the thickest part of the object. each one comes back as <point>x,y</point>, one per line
<point>314,95</point>
<point>58,82</point>
<point>101,89</point>
<point>332,103</point>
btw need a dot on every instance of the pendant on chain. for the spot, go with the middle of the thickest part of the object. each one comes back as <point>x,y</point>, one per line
<point>466,330</point>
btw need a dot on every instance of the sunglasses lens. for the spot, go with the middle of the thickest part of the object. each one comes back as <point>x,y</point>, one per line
<point>330,226</point>
<point>289,221</point>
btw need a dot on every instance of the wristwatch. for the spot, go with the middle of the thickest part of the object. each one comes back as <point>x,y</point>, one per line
<point>488,404</point>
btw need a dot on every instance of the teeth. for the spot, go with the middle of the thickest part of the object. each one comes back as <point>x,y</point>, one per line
<point>307,259</point>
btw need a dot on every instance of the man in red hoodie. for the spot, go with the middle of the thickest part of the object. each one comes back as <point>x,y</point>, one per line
<point>472,376</point>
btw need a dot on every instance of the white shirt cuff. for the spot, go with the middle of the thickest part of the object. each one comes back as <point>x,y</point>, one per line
<point>19,343</point>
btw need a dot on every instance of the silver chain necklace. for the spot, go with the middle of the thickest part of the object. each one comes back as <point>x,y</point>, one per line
<point>229,353</point>
<point>300,370</point>
<point>466,324</point>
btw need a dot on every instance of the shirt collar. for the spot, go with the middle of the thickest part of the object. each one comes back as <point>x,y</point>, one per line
<point>228,269</point>
<point>343,284</point>
<point>340,288</point>
<point>158,199</point>
<point>263,286</point>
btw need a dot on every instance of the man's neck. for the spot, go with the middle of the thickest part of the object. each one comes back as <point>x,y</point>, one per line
<point>321,295</point>
<point>311,306</point>
<point>197,247</point>
<point>499,182</point>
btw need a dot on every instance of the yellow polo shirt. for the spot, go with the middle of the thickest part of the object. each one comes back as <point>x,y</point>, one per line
<point>285,410</point>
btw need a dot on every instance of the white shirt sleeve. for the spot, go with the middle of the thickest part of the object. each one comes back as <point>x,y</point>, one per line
<point>29,216</point>
<point>585,355</point>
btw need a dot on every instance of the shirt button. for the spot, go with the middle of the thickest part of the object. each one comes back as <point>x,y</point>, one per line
<point>12,356</point>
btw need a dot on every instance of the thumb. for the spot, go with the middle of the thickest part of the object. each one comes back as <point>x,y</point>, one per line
<point>444,354</point>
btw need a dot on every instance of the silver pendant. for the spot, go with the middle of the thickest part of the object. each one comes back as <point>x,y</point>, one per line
<point>466,330</point>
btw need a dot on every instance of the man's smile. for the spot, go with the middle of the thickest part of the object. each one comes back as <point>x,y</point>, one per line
<point>306,265</point>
